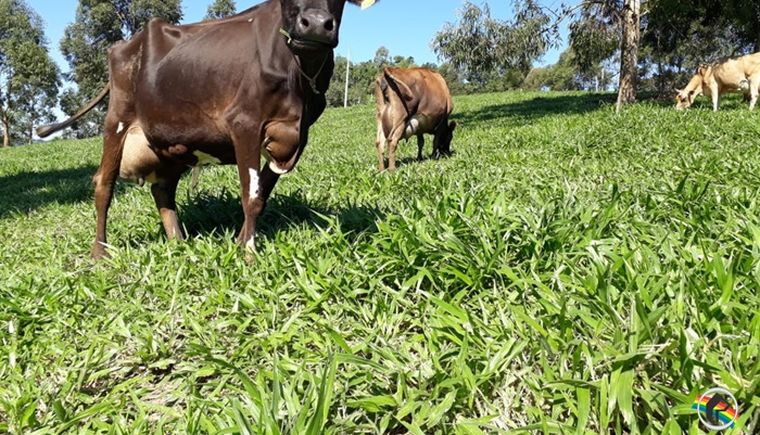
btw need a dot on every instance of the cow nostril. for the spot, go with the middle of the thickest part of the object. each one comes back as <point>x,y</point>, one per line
<point>330,25</point>
<point>305,22</point>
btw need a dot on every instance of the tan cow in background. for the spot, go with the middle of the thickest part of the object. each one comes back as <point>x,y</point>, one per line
<point>412,102</point>
<point>741,74</point>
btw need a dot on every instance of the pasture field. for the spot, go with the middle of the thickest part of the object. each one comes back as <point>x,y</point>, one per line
<point>568,270</point>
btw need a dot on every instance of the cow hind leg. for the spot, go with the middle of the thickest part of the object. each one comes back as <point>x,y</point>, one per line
<point>380,143</point>
<point>420,146</point>
<point>105,180</point>
<point>164,191</point>
<point>393,141</point>
<point>715,98</point>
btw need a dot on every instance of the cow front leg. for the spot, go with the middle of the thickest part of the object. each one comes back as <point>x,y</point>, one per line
<point>715,99</point>
<point>255,206</point>
<point>754,90</point>
<point>420,146</point>
<point>247,143</point>
<point>164,192</point>
<point>104,180</point>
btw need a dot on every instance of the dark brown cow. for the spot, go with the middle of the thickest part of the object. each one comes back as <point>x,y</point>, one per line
<point>216,92</point>
<point>412,102</point>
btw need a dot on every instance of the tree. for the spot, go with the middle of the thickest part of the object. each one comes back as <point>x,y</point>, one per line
<point>220,9</point>
<point>97,26</point>
<point>29,78</point>
<point>453,77</point>
<point>562,76</point>
<point>595,37</point>
<point>479,45</point>
<point>382,57</point>
<point>744,15</point>
<point>629,53</point>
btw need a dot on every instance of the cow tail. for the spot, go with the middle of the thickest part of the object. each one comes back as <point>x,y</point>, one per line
<point>47,130</point>
<point>404,91</point>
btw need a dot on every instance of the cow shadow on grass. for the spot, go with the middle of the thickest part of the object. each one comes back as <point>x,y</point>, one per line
<point>27,191</point>
<point>207,214</point>
<point>521,112</point>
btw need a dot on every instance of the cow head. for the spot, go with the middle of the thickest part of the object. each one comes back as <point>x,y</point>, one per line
<point>312,25</point>
<point>685,97</point>
<point>442,145</point>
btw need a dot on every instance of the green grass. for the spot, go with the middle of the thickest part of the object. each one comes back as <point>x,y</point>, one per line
<point>567,271</point>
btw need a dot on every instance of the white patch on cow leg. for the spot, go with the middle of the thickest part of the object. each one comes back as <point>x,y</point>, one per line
<point>250,245</point>
<point>253,189</point>
<point>121,128</point>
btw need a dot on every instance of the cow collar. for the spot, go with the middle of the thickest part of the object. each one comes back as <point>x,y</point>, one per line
<point>312,80</point>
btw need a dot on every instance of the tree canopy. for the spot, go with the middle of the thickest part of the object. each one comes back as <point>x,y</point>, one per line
<point>480,45</point>
<point>221,9</point>
<point>29,78</point>
<point>98,25</point>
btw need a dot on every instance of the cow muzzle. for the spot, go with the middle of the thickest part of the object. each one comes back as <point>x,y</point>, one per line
<point>316,28</point>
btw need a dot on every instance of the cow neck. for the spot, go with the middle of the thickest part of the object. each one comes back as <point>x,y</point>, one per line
<point>311,79</point>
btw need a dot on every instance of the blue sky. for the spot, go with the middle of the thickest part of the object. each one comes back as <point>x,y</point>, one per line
<point>405,27</point>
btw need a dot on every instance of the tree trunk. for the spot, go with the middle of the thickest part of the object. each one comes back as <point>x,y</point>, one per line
<point>629,52</point>
<point>6,132</point>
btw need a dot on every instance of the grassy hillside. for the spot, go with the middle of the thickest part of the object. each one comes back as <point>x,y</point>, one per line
<point>567,270</point>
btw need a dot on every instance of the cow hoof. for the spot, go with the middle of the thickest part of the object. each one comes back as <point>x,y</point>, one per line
<point>98,251</point>
<point>250,253</point>
<point>249,248</point>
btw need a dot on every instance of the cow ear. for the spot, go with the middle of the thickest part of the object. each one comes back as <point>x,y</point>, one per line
<point>363,3</point>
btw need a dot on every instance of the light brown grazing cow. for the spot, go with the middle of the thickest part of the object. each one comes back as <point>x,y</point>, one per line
<point>412,102</point>
<point>740,74</point>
